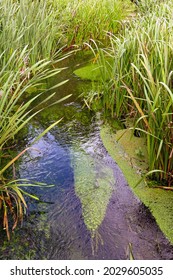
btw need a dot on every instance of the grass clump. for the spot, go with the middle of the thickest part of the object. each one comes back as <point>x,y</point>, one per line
<point>140,84</point>
<point>15,114</point>
<point>27,53</point>
<point>86,20</point>
<point>27,23</point>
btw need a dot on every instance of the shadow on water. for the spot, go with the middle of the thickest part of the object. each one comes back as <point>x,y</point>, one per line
<point>63,225</point>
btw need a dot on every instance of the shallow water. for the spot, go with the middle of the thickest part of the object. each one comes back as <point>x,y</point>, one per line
<point>59,226</point>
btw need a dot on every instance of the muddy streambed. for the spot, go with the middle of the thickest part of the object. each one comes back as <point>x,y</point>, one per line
<point>90,212</point>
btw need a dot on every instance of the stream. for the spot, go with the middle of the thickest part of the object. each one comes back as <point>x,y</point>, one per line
<point>90,211</point>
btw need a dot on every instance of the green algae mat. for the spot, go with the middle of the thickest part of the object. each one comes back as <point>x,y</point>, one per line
<point>129,152</point>
<point>95,70</point>
<point>89,72</point>
<point>94,184</point>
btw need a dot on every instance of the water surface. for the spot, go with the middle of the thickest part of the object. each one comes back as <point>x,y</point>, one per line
<point>64,223</point>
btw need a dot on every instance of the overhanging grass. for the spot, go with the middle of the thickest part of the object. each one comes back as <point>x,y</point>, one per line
<point>27,52</point>
<point>15,114</point>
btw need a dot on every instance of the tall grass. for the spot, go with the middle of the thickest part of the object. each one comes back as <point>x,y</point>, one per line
<point>86,20</point>
<point>141,82</point>
<point>28,49</point>
<point>31,32</point>
<point>29,23</point>
<point>15,113</point>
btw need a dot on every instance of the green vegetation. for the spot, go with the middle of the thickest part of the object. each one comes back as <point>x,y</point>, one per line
<point>90,72</point>
<point>132,79</point>
<point>82,21</point>
<point>94,189</point>
<point>26,62</point>
<point>140,84</point>
<point>158,201</point>
<point>32,36</point>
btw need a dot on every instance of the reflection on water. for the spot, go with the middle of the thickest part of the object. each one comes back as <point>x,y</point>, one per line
<point>61,225</point>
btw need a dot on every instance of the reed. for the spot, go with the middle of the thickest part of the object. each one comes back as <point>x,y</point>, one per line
<point>28,49</point>
<point>140,84</point>
<point>86,20</point>
<point>15,113</point>
<point>30,23</point>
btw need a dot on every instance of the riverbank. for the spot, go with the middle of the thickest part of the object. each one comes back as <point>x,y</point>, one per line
<point>159,202</point>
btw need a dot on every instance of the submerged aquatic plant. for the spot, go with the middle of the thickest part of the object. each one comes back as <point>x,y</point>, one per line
<point>93,185</point>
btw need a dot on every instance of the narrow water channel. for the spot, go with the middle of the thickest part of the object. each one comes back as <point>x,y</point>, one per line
<point>90,212</point>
